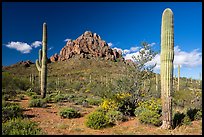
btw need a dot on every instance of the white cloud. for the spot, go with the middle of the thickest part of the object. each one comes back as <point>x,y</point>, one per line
<point>152,44</point>
<point>110,44</point>
<point>133,49</point>
<point>185,59</point>
<point>36,44</point>
<point>67,40</point>
<point>20,46</point>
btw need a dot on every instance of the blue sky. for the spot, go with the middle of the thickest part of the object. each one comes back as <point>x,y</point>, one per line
<point>124,25</point>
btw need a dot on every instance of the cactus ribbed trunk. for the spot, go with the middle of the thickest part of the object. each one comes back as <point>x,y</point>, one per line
<point>157,82</point>
<point>41,64</point>
<point>167,57</point>
<point>178,77</point>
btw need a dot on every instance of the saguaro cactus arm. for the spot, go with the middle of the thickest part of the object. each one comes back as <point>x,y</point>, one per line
<point>38,65</point>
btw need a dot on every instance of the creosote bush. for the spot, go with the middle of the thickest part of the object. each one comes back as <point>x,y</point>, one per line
<point>11,110</point>
<point>69,113</point>
<point>115,116</point>
<point>37,103</point>
<point>97,120</point>
<point>18,126</point>
<point>150,117</point>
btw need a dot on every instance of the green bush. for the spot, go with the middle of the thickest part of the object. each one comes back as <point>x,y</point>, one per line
<point>97,120</point>
<point>150,117</point>
<point>186,120</point>
<point>11,110</point>
<point>149,111</point>
<point>69,113</point>
<point>6,97</point>
<point>79,100</point>
<point>177,119</point>
<point>191,112</point>
<point>37,103</point>
<point>48,98</point>
<point>31,93</point>
<point>59,98</point>
<point>35,97</point>
<point>139,110</point>
<point>94,101</point>
<point>114,116</point>
<point>20,127</point>
<point>21,97</point>
<point>198,115</point>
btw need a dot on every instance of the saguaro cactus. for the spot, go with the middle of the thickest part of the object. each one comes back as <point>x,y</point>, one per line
<point>156,82</point>
<point>167,57</point>
<point>178,77</point>
<point>41,64</point>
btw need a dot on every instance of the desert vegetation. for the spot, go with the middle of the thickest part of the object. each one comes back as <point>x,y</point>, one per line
<point>100,96</point>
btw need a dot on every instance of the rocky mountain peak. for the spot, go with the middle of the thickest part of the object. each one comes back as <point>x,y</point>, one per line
<point>87,45</point>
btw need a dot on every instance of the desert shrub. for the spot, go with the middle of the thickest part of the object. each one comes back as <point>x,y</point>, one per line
<point>114,116</point>
<point>149,111</point>
<point>22,84</point>
<point>6,97</point>
<point>126,106</point>
<point>11,110</point>
<point>186,120</point>
<point>59,98</point>
<point>12,82</point>
<point>191,112</point>
<point>35,97</point>
<point>19,126</point>
<point>69,113</point>
<point>150,117</point>
<point>37,103</point>
<point>21,97</point>
<point>139,110</point>
<point>94,101</point>
<point>109,104</point>
<point>97,120</point>
<point>48,98</point>
<point>76,86</point>
<point>79,100</point>
<point>198,115</point>
<point>177,119</point>
<point>31,93</point>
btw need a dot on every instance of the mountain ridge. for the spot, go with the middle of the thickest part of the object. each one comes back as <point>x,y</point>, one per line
<point>88,45</point>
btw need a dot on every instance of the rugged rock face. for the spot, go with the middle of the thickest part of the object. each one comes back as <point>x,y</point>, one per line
<point>87,45</point>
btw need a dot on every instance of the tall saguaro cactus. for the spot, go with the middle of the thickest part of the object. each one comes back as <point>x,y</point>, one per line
<point>178,77</point>
<point>156,82</point>
<point>41,64</point>
<point>167,57</point>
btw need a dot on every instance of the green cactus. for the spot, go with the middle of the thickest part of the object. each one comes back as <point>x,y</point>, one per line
<point>167,57</point>
<point>40,61</point>
<point>156,82</point>
<point>178,77</point>
<point>41,64</point>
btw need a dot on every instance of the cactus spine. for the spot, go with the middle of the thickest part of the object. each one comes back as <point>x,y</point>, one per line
<point>178,77</point>
<point>41,64</point>
<point>167,57</point>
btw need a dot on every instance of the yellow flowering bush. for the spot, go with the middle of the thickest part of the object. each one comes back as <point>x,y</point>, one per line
<point>122,95</point>
<point>109,104</point>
